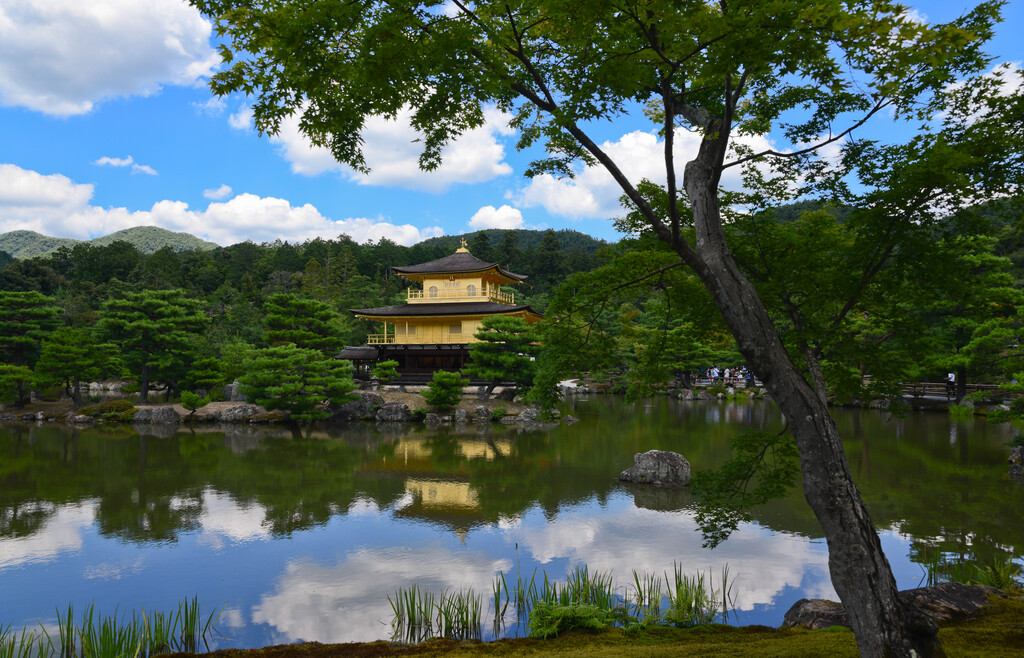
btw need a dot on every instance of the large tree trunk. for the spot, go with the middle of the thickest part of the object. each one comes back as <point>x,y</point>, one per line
<point>860,571</point>
<point>144,383</point>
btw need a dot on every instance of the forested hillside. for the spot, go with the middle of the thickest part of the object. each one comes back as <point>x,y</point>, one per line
<point>147,239</point>
<point>29,244</point>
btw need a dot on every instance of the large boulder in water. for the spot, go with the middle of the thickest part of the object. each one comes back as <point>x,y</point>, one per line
<point>658,467</point>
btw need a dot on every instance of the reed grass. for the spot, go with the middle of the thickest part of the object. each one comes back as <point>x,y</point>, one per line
<point>677,599</point>
<point>115,636</point>
<point>17,645</point>
<point>419,615</point>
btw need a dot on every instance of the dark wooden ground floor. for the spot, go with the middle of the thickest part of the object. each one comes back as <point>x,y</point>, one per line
<point>416,363</point>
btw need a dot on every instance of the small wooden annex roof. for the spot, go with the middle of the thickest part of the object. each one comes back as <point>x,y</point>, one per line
<point>461,262</point>
<point>442,309</point>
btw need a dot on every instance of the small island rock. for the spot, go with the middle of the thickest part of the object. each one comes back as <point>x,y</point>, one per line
<point>658,467</point>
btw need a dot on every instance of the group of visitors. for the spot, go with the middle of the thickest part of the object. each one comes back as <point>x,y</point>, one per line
<point>729,376</point>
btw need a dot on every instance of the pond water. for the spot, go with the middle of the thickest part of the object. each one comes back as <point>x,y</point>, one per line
<point>301,536</point>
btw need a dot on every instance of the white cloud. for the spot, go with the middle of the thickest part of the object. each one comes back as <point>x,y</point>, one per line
<point>212,107</point>
<point>61,57</point>
<point>1006,79</point>
<point>218,193</point>
<point>242,119</point>
<point>593,193</point>
<point>24,193</point>
<point>55,205</point>
<point>392,151</point>
<point>505,217</point>
<point>137,168</point>
<point>107,161</point>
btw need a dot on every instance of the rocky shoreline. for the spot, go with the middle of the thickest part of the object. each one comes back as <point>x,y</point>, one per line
<point>381,406</point>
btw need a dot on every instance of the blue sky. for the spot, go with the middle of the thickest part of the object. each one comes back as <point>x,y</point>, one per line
<point>106,123</point>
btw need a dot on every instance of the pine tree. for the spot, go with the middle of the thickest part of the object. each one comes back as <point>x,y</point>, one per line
<point>25,319</point>
<point>503,353</point>
<point>308,323</point>
<point>71,356</point>
<point>300,381</point>
<point>157,332</point>
<point>444,391</point>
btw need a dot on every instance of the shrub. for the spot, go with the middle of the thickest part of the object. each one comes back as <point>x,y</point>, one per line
<point>444,391</point>
<point>385,371</point>
<point>193,401</point>
<point>960,410</point>
<point>115,410</point>
<point>498,413</point>
<point>549,619</point>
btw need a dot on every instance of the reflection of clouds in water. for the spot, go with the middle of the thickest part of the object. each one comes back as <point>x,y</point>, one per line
<point>347,602</point>
<point>114,570</point>
<point>61,533</point>
<point>364,507</point>
<point>231,618</point>
<point>761,563</point>
<point>223,518</point>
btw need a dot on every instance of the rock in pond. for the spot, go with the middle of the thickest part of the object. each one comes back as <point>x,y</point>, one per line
<point>658,467</point>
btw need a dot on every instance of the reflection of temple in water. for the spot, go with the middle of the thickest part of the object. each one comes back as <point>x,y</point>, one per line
<point>437,486</point>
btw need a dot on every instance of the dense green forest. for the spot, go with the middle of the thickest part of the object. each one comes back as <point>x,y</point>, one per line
<point>623,312</point>
<point>185,318</point>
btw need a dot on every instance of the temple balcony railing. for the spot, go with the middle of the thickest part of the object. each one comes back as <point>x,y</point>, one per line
<point>422,296</point>
<point>420,338</point>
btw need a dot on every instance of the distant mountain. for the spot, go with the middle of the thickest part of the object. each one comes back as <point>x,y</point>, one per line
<point>147,239</point>
<point>529,239</point>
<point>28,244</point>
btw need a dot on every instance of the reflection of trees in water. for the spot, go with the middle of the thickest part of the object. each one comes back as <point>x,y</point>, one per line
<point>26,519</point>
<point>151,487</point>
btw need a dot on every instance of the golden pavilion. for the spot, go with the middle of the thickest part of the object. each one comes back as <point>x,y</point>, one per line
<point>432,330</point>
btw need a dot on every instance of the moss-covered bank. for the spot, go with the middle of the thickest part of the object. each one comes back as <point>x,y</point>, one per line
<point>996,632</point>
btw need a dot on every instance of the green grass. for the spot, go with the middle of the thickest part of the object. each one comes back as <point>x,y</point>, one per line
<point>114,636</point>
<point>586,599</point>
<point>960,410</point>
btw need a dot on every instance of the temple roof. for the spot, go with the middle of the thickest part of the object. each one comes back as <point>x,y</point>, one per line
<point>457,263</point>
<point>443,308</point>
<point>364,353</point>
